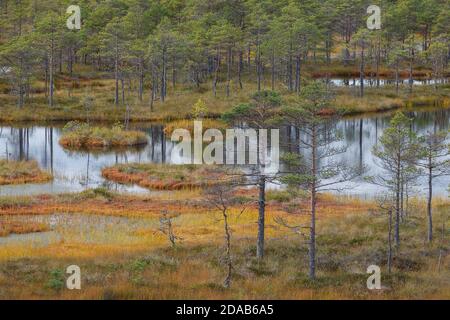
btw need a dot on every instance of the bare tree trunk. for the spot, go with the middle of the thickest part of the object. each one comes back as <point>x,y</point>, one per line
<point>397,207</point>
<point>378,61</point>
<point>273,69</point>
<point>141,79</point>
<point>216,72</point>
<point>163,78</point>
<point>240,66</point>
<point>228,70</point>
<point>297,74</point>
<point>289,69</point>
<point>312,241</point>
<point>46,76</point>
<point>116,73</point>
<point>429,202</point>
<point>229,262</point>
<point>21,100</point>
<point>261,217</point>
<point>396,76</point>
<point>174,73</point>
<point>51,66</point>
<point>328,48</point>
<point>152,93</point>
<point>389,262</point>
<point>402,192</point>
<point>407,199</point>
<point>361,73</point>
<point>152,97</point>
<point>51,85</point>
<point>411,64</point>
<point>258,63</point>
<point>123,89</point>
<point>70,61</point>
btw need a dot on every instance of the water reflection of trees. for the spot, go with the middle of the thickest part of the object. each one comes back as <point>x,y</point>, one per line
<point>360,134</point>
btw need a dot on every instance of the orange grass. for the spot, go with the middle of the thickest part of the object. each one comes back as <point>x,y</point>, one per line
<point>96,202</point>
<point>8,227</point>
<point>164,177</point>
<point>79,135</point>
<point>349,239</point>
<point>122,206</point>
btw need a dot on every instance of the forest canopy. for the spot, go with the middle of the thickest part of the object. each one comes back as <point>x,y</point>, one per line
<point>157,43</point>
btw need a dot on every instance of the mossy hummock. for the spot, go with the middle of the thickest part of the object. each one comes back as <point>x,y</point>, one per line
<point>165,177</point>
<point>20,172</point>
<point>78,135</point>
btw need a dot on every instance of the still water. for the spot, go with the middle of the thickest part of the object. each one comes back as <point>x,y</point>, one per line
<point>372,82</point>
<point>76,171</point>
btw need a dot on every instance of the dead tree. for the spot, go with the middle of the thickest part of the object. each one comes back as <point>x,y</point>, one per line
<point>166,227</point>
<point>386,205</point>
<point>221,197</point>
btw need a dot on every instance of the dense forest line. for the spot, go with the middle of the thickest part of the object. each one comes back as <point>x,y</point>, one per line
<point>151,47</point>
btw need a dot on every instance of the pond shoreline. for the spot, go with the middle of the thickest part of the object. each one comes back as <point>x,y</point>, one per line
<point>407,106</point>
<point>347,101</point>
<point>77,170</point>
<point>418,106</point>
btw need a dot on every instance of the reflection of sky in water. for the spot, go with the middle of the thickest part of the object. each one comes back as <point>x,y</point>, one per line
<point>362,134</point>
<point>75,171</point>
<point>383,82</point>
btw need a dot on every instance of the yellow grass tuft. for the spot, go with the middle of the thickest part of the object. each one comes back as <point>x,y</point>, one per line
<point>20,172</point>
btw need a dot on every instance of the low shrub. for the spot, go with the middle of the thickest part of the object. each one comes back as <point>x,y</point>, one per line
<point>19,172</point>
<point>164,177</point>
<point>81,135</point>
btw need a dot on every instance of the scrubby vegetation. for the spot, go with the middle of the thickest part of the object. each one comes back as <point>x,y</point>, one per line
<point>82,135</point>
<point>170,127</point>
<point>8,227</point>
<point>164,177</point>
<point>19,172</point>
<point>140,262</point>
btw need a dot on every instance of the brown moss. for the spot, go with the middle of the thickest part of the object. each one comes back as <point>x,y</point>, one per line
<point>78,135</point>
<point>164,177</point>
<point>8,227</point>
